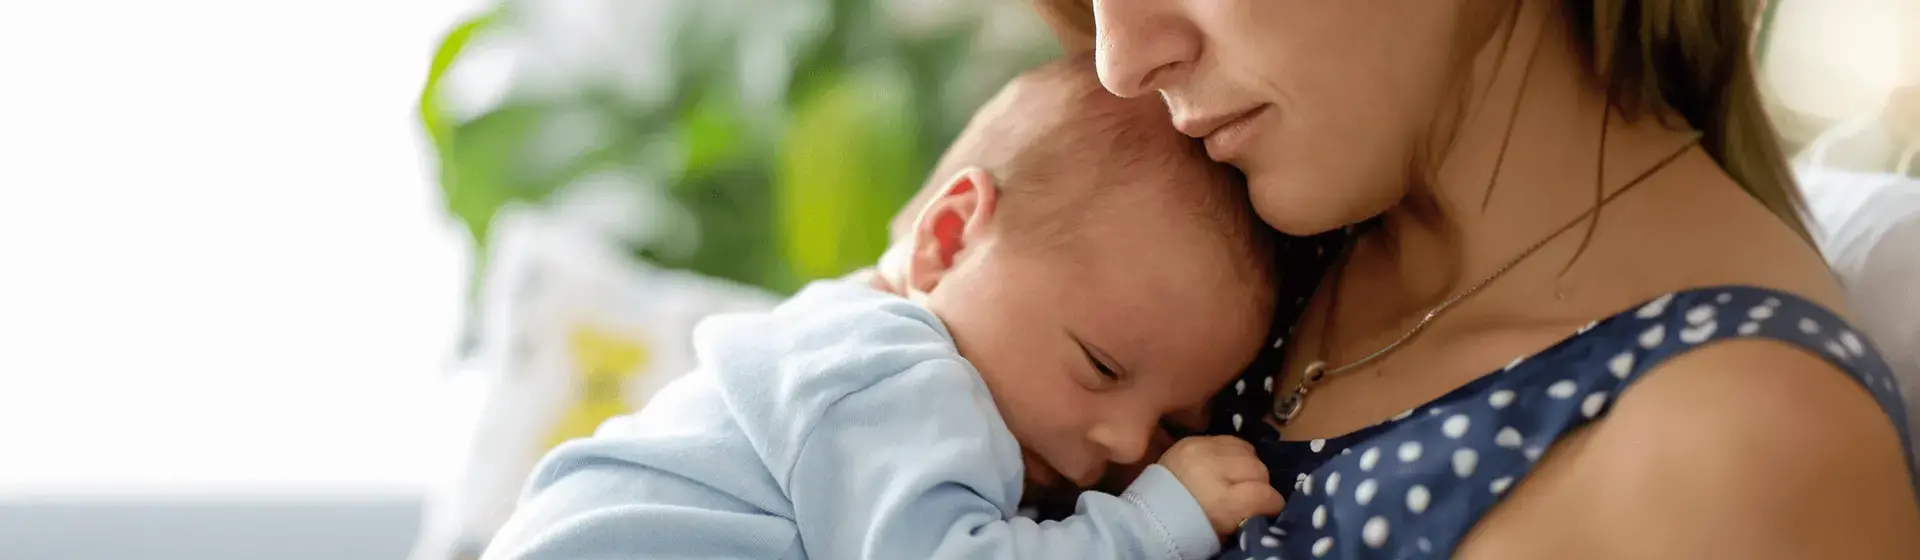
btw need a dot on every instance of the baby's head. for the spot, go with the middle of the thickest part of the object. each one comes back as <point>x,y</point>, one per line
<point>1091,262</point>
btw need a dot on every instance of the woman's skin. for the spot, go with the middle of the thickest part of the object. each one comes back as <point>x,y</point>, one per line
<point>1746,449</point>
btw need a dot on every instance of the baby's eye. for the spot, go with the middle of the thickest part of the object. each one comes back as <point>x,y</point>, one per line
<point>1105,371</point>
<point>1108,372</point>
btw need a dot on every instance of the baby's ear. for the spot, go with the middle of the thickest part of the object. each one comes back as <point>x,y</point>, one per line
<point>953,220</point>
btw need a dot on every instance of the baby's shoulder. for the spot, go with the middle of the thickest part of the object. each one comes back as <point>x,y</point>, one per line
<point>830,340</point>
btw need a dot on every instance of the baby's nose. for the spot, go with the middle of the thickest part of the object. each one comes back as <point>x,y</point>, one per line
<point>1125,445</point>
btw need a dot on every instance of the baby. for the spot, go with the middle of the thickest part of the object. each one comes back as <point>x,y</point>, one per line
<point>1077,272</point>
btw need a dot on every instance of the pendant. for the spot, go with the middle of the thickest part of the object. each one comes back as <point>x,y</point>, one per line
<point>1288,407</point>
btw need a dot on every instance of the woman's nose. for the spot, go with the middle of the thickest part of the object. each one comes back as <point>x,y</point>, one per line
<point>1141,46</point>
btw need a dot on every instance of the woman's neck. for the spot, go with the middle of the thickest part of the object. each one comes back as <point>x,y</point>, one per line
<point>1467,220</point>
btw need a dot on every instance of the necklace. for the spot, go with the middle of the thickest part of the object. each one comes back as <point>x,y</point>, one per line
<point>1288,407</point>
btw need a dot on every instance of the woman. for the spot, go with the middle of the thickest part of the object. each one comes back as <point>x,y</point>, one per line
<point>1583,198</point>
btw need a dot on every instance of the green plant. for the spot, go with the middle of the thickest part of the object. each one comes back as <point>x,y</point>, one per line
<point>789,169</point>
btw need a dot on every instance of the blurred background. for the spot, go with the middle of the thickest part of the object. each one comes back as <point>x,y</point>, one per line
<point>323,279</point>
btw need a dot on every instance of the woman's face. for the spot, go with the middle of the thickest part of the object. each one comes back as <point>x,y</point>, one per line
<point>1325,105</point>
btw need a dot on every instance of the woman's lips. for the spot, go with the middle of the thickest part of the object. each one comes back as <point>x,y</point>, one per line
<point>1229,141</point>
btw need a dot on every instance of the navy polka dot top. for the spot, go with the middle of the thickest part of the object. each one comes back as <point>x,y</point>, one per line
<point>1412,486</point>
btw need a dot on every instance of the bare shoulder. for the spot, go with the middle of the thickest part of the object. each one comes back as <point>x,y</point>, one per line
<point>1744,449</point>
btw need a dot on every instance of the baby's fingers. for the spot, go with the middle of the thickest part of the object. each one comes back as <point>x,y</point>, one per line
<point>1255,499</point>
<point>1242,469</point>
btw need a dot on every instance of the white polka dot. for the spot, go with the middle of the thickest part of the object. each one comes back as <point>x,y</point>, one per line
<point>1654,308</point>
<point>1270,541</point>
<point>1363,493</point>
<point>1240,387</point>
<point>1699,314</point>
<point>1243,536</point>
<point>1500,485</point>
<point>1333,482</point>
<point>1317,445</point>
<point>1346,451</point>
<point>1409,452</point>
<point>1588,327</point>
<point>1455,426</point>
<point>1401,416</point>
<point>1533,453</point>
<point>1809,327</point>
<point>1278,342</point>
<point>1853,343</point>
<point>1369,458</point>
<point>1760,313</point>
<point>1322,547</point>
<point>1699,333</point>
<point>1304,484</point>
<point>1621,364</point>
<point>1275,529</point>
<point>1236,422</point>
<point>1464,460</point>
<point>1562,389</point>
<point>1435,411</point>
<point>1500,399</point>
<point>1320,517</point>
<point>1268,383</point>
<point>1508,438</point>
<point>1424,545</point>
<point>1591,406</point>
<point>1723,298</point>
<point>1417,499</point>
<point>1515,363</point>
<point>1653,336</point>
<point>1838,351</point>
<point>1772,302</point>
<point>1374,532</point>
<point>1748,328</point>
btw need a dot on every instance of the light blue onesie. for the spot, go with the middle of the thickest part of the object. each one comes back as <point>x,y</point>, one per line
<point>844,424</point>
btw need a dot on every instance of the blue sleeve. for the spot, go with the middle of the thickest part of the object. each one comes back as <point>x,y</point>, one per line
<point>602,513</point>
<point>919,465</point>
<point>672,482</point>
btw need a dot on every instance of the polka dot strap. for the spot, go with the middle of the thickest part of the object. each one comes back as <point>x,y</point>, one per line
<point>1413,486</point>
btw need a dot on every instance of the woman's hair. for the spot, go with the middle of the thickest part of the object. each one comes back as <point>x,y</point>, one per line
<point>1694,56</point>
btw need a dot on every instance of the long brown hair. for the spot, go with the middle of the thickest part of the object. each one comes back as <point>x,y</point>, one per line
<point>1693,56</point>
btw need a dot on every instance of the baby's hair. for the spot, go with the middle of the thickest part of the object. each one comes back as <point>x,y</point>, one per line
<point>1061,148</point>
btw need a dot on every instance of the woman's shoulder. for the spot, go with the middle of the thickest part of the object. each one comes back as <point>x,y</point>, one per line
<point>1758,419</point>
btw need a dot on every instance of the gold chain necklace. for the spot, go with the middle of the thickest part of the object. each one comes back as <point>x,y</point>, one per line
<point>1287,408</point>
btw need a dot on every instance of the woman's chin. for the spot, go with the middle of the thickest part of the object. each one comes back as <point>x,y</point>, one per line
<point>1298,204</point>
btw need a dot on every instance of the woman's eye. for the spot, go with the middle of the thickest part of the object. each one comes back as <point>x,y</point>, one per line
<point>1105,371</point>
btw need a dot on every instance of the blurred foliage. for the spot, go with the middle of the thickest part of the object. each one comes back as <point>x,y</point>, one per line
<point>781,135</point>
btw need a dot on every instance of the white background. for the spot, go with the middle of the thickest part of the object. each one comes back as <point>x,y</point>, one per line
<point>223,259</point>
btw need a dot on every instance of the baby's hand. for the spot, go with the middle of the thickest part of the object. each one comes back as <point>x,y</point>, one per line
<point>1225,476</point>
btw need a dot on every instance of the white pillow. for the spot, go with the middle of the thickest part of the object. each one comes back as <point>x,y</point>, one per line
<point>1868,225</point>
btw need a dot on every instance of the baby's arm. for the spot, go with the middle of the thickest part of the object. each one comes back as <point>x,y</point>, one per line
<point>918,465</point>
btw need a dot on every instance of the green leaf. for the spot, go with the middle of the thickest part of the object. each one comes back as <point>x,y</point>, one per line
<point>433,118</point>
<point>482,166</point>
<point>711,133</point>
<point>846,162</point>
